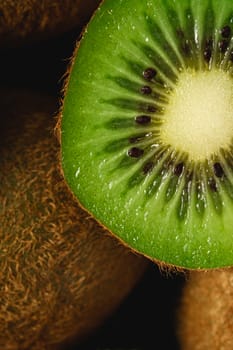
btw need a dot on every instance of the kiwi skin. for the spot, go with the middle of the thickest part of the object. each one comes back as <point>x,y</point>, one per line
<point>205,314</point>
<point>62,275</point>
<point>30,20</point>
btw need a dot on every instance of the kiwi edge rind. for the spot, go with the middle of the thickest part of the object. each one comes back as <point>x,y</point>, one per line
<point>62,293</point>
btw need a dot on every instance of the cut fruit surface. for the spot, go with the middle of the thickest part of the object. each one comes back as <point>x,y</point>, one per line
<point>147,127</point>
<point>198,119</point>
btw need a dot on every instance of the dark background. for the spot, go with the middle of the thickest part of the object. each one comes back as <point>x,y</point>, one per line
<point>147,317</point>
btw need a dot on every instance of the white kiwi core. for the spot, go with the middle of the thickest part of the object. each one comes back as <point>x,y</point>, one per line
<point>198,119</point>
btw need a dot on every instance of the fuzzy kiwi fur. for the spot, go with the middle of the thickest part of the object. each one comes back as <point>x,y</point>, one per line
<point>29,20</point>
<point>61,274</point>
<point>205,315</point>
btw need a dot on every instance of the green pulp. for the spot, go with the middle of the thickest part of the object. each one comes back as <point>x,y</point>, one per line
<point>182,218</point>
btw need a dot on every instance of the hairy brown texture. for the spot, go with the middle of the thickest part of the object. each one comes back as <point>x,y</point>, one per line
<point>28,20</point>
<point>206,311</point>
<point>60,273</point>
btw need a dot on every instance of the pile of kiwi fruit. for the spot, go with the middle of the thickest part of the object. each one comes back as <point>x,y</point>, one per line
<point>62,274</point>
<point>130,164</point>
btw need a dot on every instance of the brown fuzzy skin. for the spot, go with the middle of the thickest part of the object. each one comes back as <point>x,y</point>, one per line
<point>205,315</point>
<point>30,20</point>
<point>61,274</point>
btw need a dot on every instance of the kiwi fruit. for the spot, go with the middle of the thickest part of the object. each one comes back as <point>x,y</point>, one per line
<point>29,20</point>
<point>205,313</point>
<point>62,274</point>
<point>147,128</point>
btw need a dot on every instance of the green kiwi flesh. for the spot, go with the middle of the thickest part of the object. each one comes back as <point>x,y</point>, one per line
<point>62,275</point>
<point>147,127</point>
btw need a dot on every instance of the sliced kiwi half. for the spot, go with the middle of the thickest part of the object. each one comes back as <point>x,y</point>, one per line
<point>147,127</point>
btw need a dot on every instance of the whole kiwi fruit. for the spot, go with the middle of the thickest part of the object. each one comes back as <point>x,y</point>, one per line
<point>205,313</point>
<point>29,20</point>
<point>147,122</point>
<point>61,274</point>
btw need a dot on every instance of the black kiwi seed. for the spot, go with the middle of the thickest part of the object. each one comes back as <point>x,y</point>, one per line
<point>135,152</point>
<point>178,169</point>
<point>146,90</point>
<point>134,139</point>
<point>212,185</point>
<point>180,33</point>
<point>223,45</point>
<point>208,50</point>
<point>148,167</point>
<point>149,73</point>
<point>218,170</point>
<point>143,119</point>
<point>186,48</point>
<point>225,32</point>
<point>209,42</point>
<point>151,109</point>
<point>207,54</point>
<point>231,56</point>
